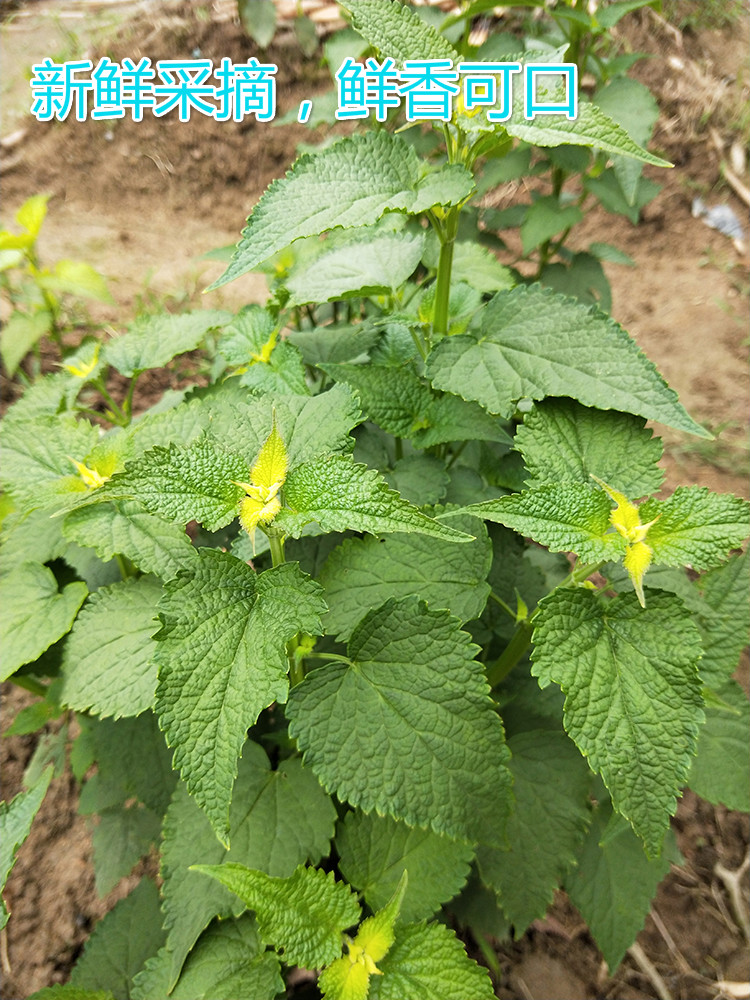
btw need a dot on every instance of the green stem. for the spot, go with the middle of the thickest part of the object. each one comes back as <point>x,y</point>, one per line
<point>127,406</point>
<point>277,549</point>
<point>29,684</point>
<point>506,608</point>
<point>445,266</point>
<point>419,342</point>
<point>329,656</point>
<point>126,567</point>
<point>118,416</point>
<point>399,446</point>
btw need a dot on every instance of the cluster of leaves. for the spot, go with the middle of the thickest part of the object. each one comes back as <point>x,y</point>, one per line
<point>319,621</point>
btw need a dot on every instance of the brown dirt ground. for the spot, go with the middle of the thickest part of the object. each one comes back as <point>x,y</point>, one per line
<point>143,201</point>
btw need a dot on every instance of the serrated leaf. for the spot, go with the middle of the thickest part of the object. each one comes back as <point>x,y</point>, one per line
<point>68,992</point>
<point>35,458</point>
<point>303,915</point>
<point>335,344</point>
<point>351,183</point>
<point>375,850</point>
<point>152,341</point>
<point>633,704</point>
<point>107,661</point>
<point>615,882</point>
<point>568,518</point>
<point>34,537</point>
<point>720,768</point>
<point>35,613</point>
<point>397,32</point>
<point>125,528</point>
<point>364,261</point>
<point>414,700</point>
<point>229,963</point>
<point>696,527</point>
<point>339,494</point>
<point>121,942</point>
<point>120,840</point>
<point>182,484</point>
<point>16,818</point>
<point>725,626</point>
<point>544,218</point>
<point>363,573</point>
<point>419,478</point>
<point>632,105</point>
<point>405,406</point>
<point>562,442</point>
<point>222,658</point>
<point>535,343</point>
<point>278,819</point>
<point>428,962</point>
<point>551,784</point>
<point>472,263</point>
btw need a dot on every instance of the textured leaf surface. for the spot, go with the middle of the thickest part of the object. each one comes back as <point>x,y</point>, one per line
<point>68,992</point>
<point>365,261</point>
<point>303,915</point>
<point>183,484</point>
<point>568,518</point>
<point>725,629</point>
<point>564,442</point>
<point>720,769</point>
<point>339,494</point>
<point>121,942</point>
<point>121,839</point>
<point>633,704</point>
<point>396,31</point>
<point>107,661</point>
<point>352,183</point>
<point>222,659</point>
<point>421,479</point>
<point>536,343</point>
<point>632,105</point>
<point>405,406</point>
<point>35,613</point>
<point>696,527</point>
<point>278,820</point>
<point>551,784</point>
<point>35,537</point>
<point>152,341</point>
<point>615,882</point>
<point>125,528</point>
<point>363,573</point>
<point>375,850</point>
<point>411,730</point>
<point>35,458</point>
<point>230,963</point>
<point>428,962</point>
<point>16,818</point>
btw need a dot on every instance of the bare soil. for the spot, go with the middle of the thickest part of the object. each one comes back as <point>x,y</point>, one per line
<point>143,202</point>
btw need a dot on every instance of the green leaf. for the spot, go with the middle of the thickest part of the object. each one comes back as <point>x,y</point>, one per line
<point>303,915</point>
<point>606,189</point>
<point>230,963</point>
<point>362,573</point>
<point>121,942</point>
<point>16,818</point>
<point>152,341</point>
<point>632,104</point>
<point>365,261</point>
<point>125,528</point>
<point>633,704</point>
<point>335,344</point>
<point>615,882</point>
<point>405,406</point>
<point>76,277</point>
<point>419,478</point>
<point>397,32</point>
<point>183,484</point>
<point>35,613</point>
<point>121,838</point>
<point>428,962</point>
<point>568,518</point>
<point>414,700</point>
<point>564,442</point>
<point>720,769</point>
<point>474,264</point>
<point>725,626</point>
<point>339,494</point>
<point>35,458</point>
<point>374,851</point>
<point>535,343</point>
<point>68,992</point>
<point>551,783</point>
<point>34,537</point>
<point>19,334</point>
<point>258,18</point>
<point>222,658</point>
<point>545,218</point>
<point>351,183</point>
<point>278,819</point>
<point>609,16</point>
<point>32,213</point>
<point>108,664</point>
<point>696,527</point>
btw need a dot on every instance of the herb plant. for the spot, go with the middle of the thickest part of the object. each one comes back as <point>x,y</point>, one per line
<point>386,632</point>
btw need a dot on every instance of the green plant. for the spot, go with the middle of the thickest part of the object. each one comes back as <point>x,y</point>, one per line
<point>444,717</point>
<point>38,297</point>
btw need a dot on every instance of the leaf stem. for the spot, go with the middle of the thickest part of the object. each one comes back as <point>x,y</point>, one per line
<point>29,684</point>
<point>503,605</point>
<point>444,269</point>
<point>276,543</point>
